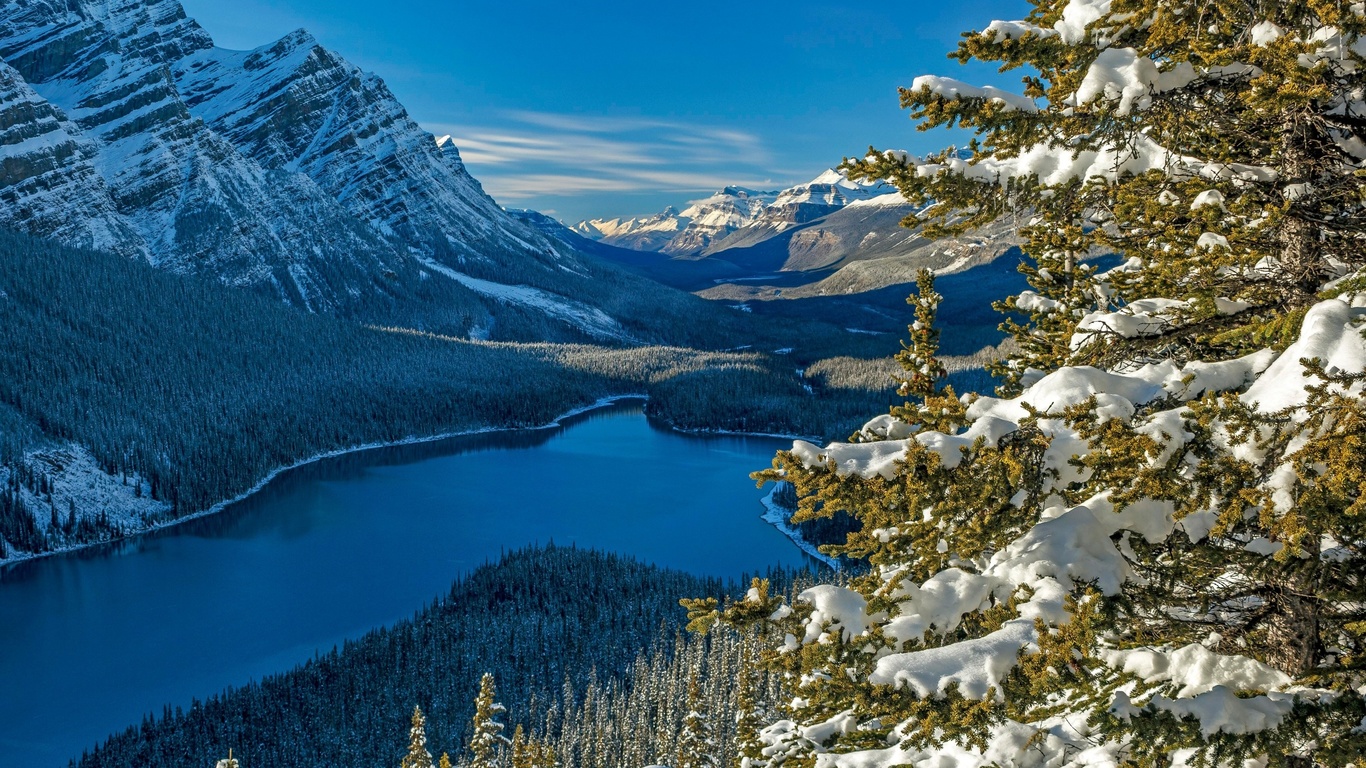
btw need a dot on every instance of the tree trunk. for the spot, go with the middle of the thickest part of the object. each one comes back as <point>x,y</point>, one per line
<point>1301,257</point>
<point>1292,624</point>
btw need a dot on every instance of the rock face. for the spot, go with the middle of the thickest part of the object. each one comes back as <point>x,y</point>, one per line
<point>284,168</point>
<point>47,170</point>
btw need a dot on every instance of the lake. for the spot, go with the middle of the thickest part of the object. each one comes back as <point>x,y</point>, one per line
<point>93,640</point>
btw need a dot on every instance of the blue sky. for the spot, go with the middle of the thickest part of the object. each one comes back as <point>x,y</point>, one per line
<point>620,108</point>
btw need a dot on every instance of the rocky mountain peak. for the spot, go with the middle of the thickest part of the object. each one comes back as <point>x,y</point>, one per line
<point>284,168</point>
<point>707,225</point>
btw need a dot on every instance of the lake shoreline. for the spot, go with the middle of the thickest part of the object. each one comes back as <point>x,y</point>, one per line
<point>218,507</point>
<point>776,515</point>
<point>603,402</point>
<point>705,432</point>
<point>328,552</point>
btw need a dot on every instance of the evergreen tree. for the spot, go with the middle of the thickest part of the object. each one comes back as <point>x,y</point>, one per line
<point>697,743</point>
<point>919,358</point>
<point>1148,550</point>
<point>521,750</point>
<point>530,752</point>
<point>417,756</point>
<point>748,718</point>
<point>1214,146</point>
<point>487,741</point>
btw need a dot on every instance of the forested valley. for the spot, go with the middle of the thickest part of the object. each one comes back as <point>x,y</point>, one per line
<point>130,397</point>
<point>1142,545</point>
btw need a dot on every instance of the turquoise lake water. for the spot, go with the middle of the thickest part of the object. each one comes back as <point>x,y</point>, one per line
<point>92,641</point>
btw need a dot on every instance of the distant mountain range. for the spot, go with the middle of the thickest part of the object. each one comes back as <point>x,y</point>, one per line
<point>692,231</point>
<point>831,235</point>
<point>831,250</point>
<point>284,169</point>
<point>706,226</point>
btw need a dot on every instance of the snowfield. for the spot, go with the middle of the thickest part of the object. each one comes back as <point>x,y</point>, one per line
<point>590,320</point>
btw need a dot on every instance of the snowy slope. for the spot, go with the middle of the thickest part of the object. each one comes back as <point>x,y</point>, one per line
<point>47,169</point>
<point>90,504</point>
<point>283,168</point>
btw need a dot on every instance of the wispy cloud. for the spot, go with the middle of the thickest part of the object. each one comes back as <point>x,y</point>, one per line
<point>521,156</point>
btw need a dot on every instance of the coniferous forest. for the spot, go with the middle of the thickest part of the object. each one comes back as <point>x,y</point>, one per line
<point>189,392</point>
<point>1141,545</point>
<point>587,669</point>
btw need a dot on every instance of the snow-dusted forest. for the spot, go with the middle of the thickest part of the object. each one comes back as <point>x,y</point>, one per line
<point>1140,545</point>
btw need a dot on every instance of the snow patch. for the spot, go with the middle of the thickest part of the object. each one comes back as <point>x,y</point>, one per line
<point>591,320</point>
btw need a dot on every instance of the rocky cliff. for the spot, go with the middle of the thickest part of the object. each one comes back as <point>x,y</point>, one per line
<point>284,168</point>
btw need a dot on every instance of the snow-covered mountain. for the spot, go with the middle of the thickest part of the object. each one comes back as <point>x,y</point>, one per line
<point>285,168</point>
<point>736,216</point>
<point>823,195</point>
<point>645,233</point>
<point>715,218</point>
<point>682,233</point>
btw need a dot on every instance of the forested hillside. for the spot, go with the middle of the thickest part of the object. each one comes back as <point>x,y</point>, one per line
<point>129,396</point>
<point>201,390</point>
<point>566,661</point>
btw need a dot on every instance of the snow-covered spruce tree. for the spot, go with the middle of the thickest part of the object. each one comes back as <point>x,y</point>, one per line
<point>1216,142</point>
<point>696,742</point>
<point>520,754</point>
<point>530,752</point>
<point>749,750</point>
<point>487,740</point>
<point>418,756</point>
<point>919,357</point>
<point>1147,550</point>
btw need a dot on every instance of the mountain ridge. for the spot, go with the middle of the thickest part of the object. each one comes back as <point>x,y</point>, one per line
<point>828,235</point>
<point>283,169</point>
<point>708,226</point>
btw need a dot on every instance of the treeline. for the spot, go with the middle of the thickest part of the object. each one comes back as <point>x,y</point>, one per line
<point>967,373</point>
<point>750,399</point>
<point>561,629</point>
<point>734,391</point>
